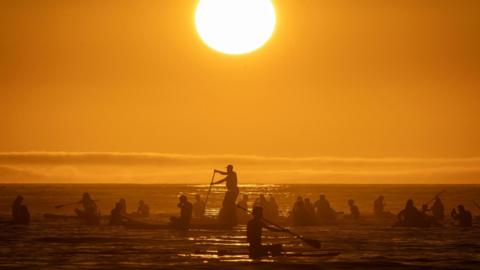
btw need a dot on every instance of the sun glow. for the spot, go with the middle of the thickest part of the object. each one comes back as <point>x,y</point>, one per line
<point>235,26</point>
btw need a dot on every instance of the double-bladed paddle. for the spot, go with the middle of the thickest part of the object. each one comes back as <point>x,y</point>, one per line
<point>311,242</point>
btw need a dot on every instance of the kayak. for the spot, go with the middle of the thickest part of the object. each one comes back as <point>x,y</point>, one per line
<point>133,223</point>
<point>221,253</point>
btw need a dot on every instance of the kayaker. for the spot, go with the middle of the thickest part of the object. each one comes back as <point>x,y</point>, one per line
<point>272,208</point>
<point>228,212</point>
<point>254,236</point>
<point>242,216</point>
<point>186,208</point>
<point>379,206</point>
<point>123,206</point>
<point>198,206</point>
<point>325,213</point>
<point>463,217</point>
<point>438,210</point>
<point>411,217</point>
<point>299,212</point>
<point>116,217</point>
<point>143,210</point>
<point>90,211</point>
<point>354,211</point>
<point>20,212</point>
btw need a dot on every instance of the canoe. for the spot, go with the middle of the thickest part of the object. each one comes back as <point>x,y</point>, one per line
<point>133,223</point>
<point>310,254</point>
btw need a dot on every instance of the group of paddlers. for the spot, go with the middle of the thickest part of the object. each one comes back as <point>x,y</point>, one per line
<point>303,213</point>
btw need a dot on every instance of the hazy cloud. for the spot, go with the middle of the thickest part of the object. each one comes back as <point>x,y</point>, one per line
<point>176,168</point>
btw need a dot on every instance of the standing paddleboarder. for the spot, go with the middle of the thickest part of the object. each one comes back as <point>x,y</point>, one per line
<point>228,212</point>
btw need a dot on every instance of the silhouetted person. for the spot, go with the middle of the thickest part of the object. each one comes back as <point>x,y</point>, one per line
<point>260,202</point>
<point>425,209</point>
<point>463,217</point>
<point>116,217</point>
<point>410,216</point>
<point>89,207</point>
<point>354,211</point>
<point>438,209</point>
<point>309,218</point>
<point>325,213</point>
<point>186,208</point>
<point>428,219</point>
<point>242,215</point>
<point>298,212</point>
<point>143,209</point>
<point>273,208</point>
<point>198,206</point>
<point>254,236</point>
<point>20,212</point>
<point>123,206</point>
<point>228,212</point>
<point>379,206</point>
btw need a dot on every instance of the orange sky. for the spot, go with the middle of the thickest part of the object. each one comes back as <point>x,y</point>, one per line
<point>343,79</point>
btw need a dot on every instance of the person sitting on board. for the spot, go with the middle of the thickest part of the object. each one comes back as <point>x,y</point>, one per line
<point>463,217</point>
<point>242,215</point>
<point>309,218</point>
<point>410,216</point>
<point>143,210</point>
<point>354,211</point>
<point>325,213</point>
<point>228,212</point>
<point>186,208</point>
<point>116,217</point>
<point>89,207</point>
<point>123,206</point>
<point>199,207</point>
<point>20,212</point>
<point>379,206</point>
<point>273,208</point>
<point>254,236</point>
<point>260,202</point>
<point>438,210</point>
<point>298,212</point>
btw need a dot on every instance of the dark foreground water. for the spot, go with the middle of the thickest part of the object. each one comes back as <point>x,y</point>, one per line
<point>47,244</point>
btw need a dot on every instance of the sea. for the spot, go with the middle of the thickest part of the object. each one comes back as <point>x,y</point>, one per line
<point>68,244</point>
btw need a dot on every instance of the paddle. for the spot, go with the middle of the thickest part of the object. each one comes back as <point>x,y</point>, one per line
<point>438,194</point>
<point>476,204</point>
<point>68,204</point>
<point>311,242</point>
<point>208,194</point>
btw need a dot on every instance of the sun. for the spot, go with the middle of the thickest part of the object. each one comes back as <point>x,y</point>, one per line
<point>235,26</point>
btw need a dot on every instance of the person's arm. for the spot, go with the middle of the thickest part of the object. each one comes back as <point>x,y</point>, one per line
<point>220,181</point>
<point>221,172</point>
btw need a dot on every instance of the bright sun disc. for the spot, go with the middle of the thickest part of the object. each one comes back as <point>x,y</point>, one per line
<point>235,26</point>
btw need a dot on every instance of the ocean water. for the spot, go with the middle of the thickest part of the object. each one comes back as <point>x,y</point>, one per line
<point>56,244</point>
